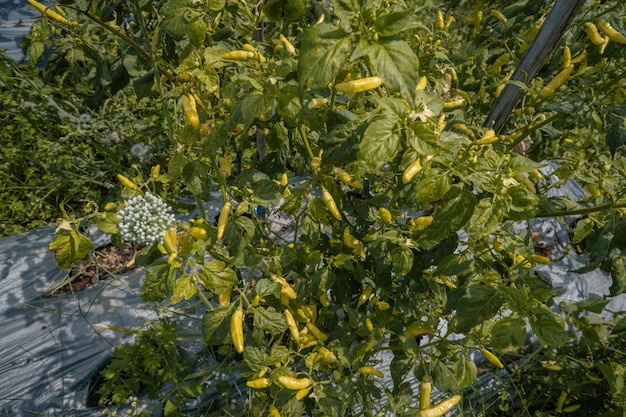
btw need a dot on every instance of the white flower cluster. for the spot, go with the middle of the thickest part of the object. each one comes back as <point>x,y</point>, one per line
<point>145,219</point>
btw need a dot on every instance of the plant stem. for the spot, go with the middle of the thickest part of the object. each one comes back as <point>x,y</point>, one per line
<point>585,210</point>
<point>204,300</point>
<point>131,42</point>
<point>305,139</point>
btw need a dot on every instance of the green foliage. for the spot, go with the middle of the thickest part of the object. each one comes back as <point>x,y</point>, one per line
<point>457,256</point>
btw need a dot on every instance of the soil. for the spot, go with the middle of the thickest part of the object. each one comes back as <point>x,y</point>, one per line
<point>102,263</point>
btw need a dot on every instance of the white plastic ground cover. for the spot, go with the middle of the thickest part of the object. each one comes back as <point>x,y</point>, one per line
<point>16,17</point>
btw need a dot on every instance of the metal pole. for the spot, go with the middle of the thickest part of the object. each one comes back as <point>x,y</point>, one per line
<point>557,21</point>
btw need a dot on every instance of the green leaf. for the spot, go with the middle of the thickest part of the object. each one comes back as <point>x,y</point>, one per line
<point>517,298</point>
<point>444,376</point>
<point>143,86</point>
<point>400,366</point>
<point>593,304</point>
<point>616,134</point>
<point>402,260</point>
<point>450,217</point>
<point>176,165</point>
<point>176,18</point>
<point>107,222</point>
<point>455,265</point>
<point>477,304</point>
<point>324,49</point>
<point>216,277</point>
<point>432,187</point>
<point>288,10</point>
<point>380,143</point>
<point>508,333</point>
<point>424,140</point>
<point>487,218</point>
<point>269,320</point>
<point>265,287</point>
<point>185,288</point>
<point>598,246</point>
<point>255,105</point>
<point>197,30</point>
<point>620,328</point>
<point>583,228</point>
<point>215,5</point>
<point>194,176</point>
<point>216,325</point>
<point>158,283</point>
<point>396,63</point>
<point>466,371</point>
<point>322,280</point>
<point>519,163</point>
<point>69,246</point>
<point>256,358</point>
<point>521,203</point>
<point>549,328</point>
<point>395,22</point>
<point>346,11</point>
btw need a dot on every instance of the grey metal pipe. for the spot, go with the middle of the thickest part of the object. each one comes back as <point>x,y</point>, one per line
<point>544,43</point>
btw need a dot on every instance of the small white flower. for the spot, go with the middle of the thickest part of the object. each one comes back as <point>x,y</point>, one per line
<point>112,137</point>
<point>84,118</point>
<point>145,219</point>
<point>139,149</point>
<point>423,114</point>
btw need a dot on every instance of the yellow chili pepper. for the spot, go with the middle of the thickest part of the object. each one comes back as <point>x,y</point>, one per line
<point>592,33</point>
<point>453,104</point>
<point>346,178</point>
<point>421,84</point>
<point>369,325</point>
<point>498,15</point>
<point>411,171</point>
<point>197,232</point>
<point>370,370</point>
<point>567,57</point>
<point>385,215</point>
<point>189,111</point>
<point>315,331</point>
<point>360,85</point>
<point>259,383</point>
<point>288,45</point>
<point>488,137</point>
<point>440,20</point>
<point>236,329</point>
<point>295,384</point>
<point>291,323</point>
<point>365,295</point>
<point>222,220</point>
<point>110,206</point>
<point>426,387</point>
<point>302,393</point>
<point>423,221</point>
<point>127,183</point>
<point>611,32</point>
<point>540,259</point>
<point>503,59</point>
<point>224,298</point>
<point>492,358</point>
<point>48,12</point>
<point>441,408</point>
<point>274,411</point>
<point>324,299</point>
<point>556,82</point>
<point>238,55</point>
<point>330,204</point>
